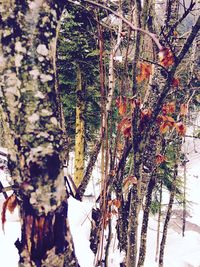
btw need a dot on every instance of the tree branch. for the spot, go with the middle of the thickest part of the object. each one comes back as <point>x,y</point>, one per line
<point>188,42</point>
<point>151,35</point>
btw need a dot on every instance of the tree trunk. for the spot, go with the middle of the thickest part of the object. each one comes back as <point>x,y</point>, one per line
<point>28,49</point>
<point>143,236</point>
<point>168,216</point>
<point>80,130</point>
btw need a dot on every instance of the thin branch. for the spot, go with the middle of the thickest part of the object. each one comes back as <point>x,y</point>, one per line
<point>151,35</point>
<point>187,11</point>
<point>188,42</point>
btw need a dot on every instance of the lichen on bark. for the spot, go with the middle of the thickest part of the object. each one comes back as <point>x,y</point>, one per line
<point>27,76</point>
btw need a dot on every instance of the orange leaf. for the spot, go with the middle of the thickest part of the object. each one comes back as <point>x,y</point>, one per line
<point>160,158</point>
<point>145,72</point>
<point>184,109</point>
<point>10,204</point>
<point>130,180</point>
<point>110,202</point>
<point>169,120</point>
<point>166,123</point>
<point>125,121</point>
<point>168,108</point>
<point>117,203</point>
<point>175,33</point>
<point>125,126</point>
<point>175,82</point>
<point>164,127</point>
<point>121,104</point>
<point>166,57</point>
<point>180,128</point>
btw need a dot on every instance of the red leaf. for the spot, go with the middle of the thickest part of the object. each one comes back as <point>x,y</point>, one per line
<point>175,82</point>
<point>159,119</point>
<point>180,128</point>
<point>166,57</point>
<point>168,108</point>
<point>125,121</point>
<point>127,131</point>
<point>125,126</point>
<point>160,158</point>
<point>10,204</point>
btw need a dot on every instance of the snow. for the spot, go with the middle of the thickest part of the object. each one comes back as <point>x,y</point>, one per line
<point>180,251</point>
<point>80,224</point>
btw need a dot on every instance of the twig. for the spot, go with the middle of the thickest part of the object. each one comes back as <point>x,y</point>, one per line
<point>151,35</point>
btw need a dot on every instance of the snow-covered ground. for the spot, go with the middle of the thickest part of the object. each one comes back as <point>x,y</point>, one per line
<point>180,251</point>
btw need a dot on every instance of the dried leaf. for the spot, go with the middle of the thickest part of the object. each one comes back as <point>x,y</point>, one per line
<point>180,128</point>
<point>121,104</point>
<point>116,203</point>
<point>184,109</point>
<point>175,33</point>
<point>123,122</point>
<point>160,158</point>
<point>130,180</point>
<point>164,127</point>
<point>168,108</point>
<point>120,147</point>
<point>166,124</point>
<point>146,114</point>
<point>159,119</point>
<point>125,126</point>
<point>166,57</point>
<point>127,131</point>
<point>145,72</point>
<point>175,82</point>
<point>169,120</point>
<point>110,202</point>
<point>10,204</point>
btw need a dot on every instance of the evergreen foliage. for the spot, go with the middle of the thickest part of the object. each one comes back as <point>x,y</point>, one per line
<point>78,44</point>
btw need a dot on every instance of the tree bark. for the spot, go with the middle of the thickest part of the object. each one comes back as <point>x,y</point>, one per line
<point>168,216</point>
<point>145,221</point>
<point>80,130</point>
<point>27,54</point>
